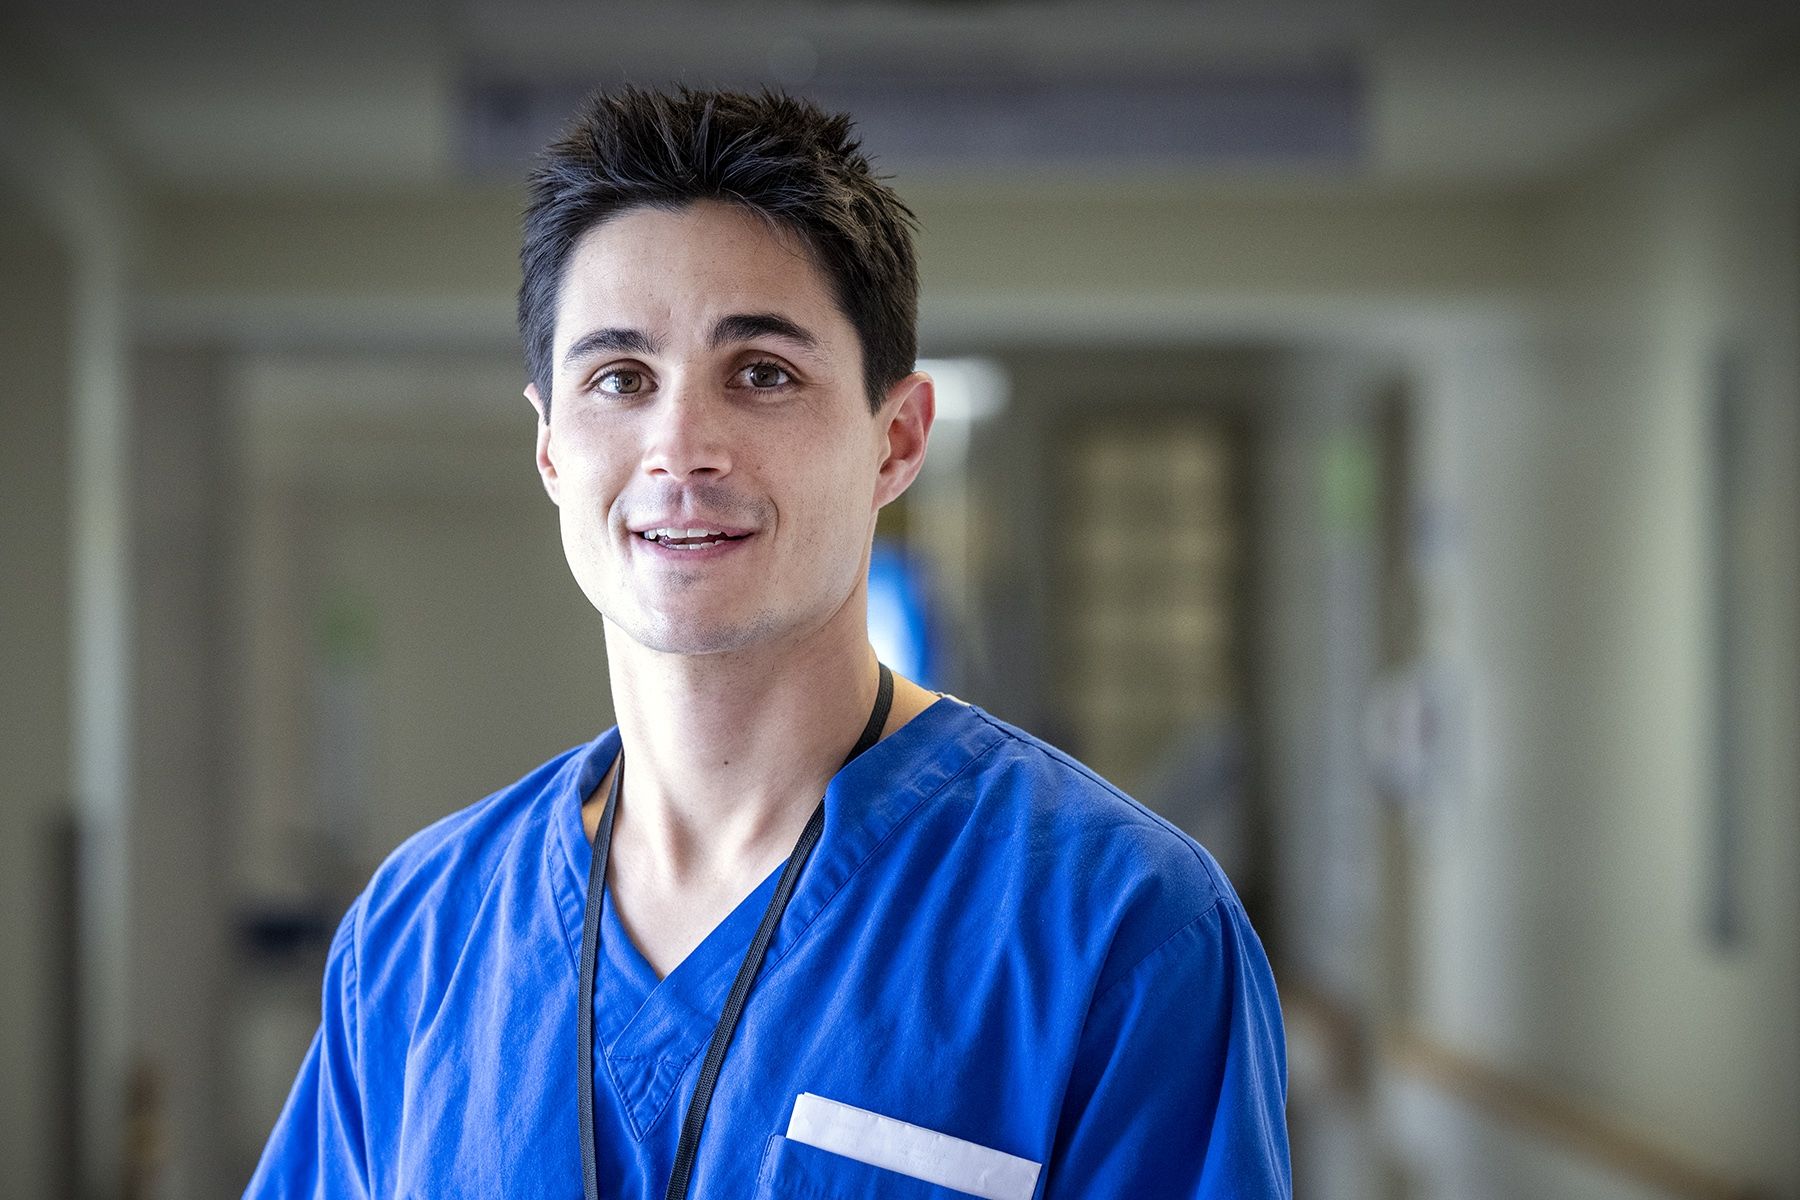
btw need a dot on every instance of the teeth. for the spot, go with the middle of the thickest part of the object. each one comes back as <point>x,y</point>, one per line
<point>665,535</point>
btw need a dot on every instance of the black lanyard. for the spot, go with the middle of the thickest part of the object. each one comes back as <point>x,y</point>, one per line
<point>740,989</point>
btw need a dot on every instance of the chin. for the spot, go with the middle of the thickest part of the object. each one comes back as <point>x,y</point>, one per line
<point>688,635</point>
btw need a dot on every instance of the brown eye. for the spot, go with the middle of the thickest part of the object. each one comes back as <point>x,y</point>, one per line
<point>621,382</point>
<point>765,375</point>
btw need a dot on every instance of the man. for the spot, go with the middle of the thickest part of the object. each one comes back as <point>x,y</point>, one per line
<point>795,928</point>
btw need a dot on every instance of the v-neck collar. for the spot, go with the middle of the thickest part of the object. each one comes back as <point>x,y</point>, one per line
<point>638,1013</point>
<point>648,1029</point>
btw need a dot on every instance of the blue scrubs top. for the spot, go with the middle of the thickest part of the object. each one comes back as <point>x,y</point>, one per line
<point>990,942</point>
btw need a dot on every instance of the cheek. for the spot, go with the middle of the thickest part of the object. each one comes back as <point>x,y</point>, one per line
<point>591,467</point>
<point>840,513</point>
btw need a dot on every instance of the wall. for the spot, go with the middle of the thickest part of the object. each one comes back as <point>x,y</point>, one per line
<point>1563,893</point>
<point>412,641</point>
<point>1554,345</point>
<point>1078,261</point>
<point>35,658</point>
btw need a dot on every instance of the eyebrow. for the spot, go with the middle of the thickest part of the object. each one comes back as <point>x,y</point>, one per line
<point>609,341</point>
<point>738,327</point>
<point>744,327</point>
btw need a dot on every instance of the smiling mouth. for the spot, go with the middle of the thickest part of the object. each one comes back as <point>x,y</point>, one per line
<point>690,539</point>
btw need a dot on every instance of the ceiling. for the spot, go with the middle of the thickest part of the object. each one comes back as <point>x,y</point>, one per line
<point>208,96</point>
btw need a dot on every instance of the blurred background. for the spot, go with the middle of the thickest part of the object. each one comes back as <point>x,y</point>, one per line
<point>1370,434</point>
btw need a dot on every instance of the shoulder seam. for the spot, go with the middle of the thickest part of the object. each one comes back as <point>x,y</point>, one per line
<point>446,830</point>
<point>803,930</point>
<point>1075,766</point>
<point>1125,975</point>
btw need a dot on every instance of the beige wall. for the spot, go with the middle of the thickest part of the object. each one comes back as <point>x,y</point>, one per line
<point>35,658</point>
<point>1564,895</point>
<point>1555,345</point>
<point>402,485</point>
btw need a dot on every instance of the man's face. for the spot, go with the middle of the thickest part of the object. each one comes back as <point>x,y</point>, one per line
<point>705,379</point>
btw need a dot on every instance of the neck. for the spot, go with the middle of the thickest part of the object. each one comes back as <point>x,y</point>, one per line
<point>727,754</point>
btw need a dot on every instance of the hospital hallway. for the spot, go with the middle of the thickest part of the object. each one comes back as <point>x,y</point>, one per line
<point>1368,433</point>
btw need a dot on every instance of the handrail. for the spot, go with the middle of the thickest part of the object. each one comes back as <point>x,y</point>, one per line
<point>1557,1117</point>
<point>1554,1116</point>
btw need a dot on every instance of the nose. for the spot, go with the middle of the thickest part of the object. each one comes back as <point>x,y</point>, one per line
<point>690,436</point>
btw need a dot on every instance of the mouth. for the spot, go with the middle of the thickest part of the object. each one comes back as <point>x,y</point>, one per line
<point>689,539</point>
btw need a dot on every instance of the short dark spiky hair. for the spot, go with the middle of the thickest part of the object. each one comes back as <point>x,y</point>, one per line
<point>781,157</point>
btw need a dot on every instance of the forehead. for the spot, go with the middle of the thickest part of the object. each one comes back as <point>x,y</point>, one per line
<point>674,273</point>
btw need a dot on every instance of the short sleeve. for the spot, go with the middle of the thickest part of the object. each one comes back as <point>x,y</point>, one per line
<point>317,1149</point>
<point>1180,1085</point>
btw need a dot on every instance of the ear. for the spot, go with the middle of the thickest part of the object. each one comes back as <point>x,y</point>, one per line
<point>906,416</point>
<point>546,463</point>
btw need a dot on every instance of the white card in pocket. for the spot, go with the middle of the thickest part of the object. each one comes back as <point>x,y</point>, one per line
<point>910,1149</point>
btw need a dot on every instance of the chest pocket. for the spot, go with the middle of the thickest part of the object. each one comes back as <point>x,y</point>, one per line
<point>795,1171</point>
